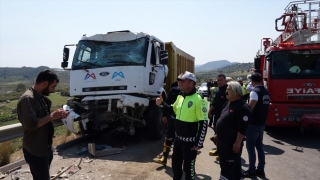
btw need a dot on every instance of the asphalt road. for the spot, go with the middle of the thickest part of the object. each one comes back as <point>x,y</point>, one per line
<point>289,155</point>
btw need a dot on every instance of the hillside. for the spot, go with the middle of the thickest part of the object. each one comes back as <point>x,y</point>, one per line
<point>212,65</point>
<point>233,70</point>
<point>11,77</point>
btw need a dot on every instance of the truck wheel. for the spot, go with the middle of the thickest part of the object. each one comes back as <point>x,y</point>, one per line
<point>89,128</point>
<point>156,127</point>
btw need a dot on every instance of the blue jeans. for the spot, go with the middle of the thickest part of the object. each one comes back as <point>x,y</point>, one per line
<point>254,138</point>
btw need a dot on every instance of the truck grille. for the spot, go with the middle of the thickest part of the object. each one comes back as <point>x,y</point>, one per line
<point>104,88</point>
<point>99,104</point>
<point>299,111</point>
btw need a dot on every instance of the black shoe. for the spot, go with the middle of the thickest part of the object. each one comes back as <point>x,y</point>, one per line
<point>260,173</point>
<point>248,174</point>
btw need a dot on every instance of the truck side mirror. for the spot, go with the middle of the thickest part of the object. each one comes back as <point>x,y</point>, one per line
<point>164,57</point>
<point>65,54</point>
<point>66,51</point>
<point>64,64</point>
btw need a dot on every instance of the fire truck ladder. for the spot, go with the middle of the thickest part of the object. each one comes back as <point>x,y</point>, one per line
<point>299,25</point>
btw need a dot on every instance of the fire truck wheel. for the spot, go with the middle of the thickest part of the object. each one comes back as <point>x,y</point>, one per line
<point>156,127</point>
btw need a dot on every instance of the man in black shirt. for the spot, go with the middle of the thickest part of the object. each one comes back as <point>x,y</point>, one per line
<point>230,131</point>
<point>209,85</point>
<point>216,107</point>
<point>259,104</point>
<point>168,119</point>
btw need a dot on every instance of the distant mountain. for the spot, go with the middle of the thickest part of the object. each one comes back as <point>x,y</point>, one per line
<point>213,65</point>
<point>197,65</point>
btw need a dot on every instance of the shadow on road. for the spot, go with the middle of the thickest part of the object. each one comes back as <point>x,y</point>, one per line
<point>271,150</point>
<point>292,136</point>
<point>243,163</point>
<point>168,170</point>
<point>137,148</point>
<point>256,178</point>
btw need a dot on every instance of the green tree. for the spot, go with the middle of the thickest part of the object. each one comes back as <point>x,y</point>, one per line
<point>21,87</point>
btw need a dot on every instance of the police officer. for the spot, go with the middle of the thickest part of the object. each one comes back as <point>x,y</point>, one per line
<point>230,131</point>
<point>249,87</point>
<point>211,100</point>
<point>168,119</point>
<point>219,100</point>
<point>244,89</point>
<point>190,125</point>
<point>209,86</point>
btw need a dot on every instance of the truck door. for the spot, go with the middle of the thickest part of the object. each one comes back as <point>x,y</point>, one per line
<point>157,73</point>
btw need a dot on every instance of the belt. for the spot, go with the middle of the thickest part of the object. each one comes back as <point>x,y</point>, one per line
<point>186,139</point>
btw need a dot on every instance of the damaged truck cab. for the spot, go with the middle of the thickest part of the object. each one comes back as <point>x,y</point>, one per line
<point>114,81</point>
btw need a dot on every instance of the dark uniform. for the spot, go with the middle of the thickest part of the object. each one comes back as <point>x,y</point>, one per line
<point>256,127</point>
<point>219,100</point>
<point>191,128</point>
<point>234,118</point>
<point>170,131</point>
<point>209,85</point>
<point>172,96</point>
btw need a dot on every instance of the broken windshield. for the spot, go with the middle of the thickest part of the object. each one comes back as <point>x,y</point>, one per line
<point>295,64</point>
<point>95,54</point>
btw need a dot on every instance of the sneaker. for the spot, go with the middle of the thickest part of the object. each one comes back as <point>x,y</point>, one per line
<point>214,152</point>
<point>248,174</point>
<point>260,173</point>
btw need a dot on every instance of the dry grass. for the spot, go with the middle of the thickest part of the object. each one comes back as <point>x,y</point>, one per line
<point>17,155</point>
<point>6,149</point>
<point>11,151</point>
<point>63,135</point>
<point>64,138</point>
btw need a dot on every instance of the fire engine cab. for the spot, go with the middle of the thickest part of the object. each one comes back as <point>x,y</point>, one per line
<point>290,65</point>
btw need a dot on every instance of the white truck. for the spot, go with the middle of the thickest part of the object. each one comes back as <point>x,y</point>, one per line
<point>114,81</point>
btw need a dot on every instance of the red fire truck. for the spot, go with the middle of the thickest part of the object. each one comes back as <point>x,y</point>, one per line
<point>290,65</point>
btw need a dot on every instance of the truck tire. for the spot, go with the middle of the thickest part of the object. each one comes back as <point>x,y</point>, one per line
<point>156,127</point>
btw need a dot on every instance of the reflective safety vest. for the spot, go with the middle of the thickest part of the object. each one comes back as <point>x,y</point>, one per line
<point>190,108</point>
<point>212,94</point>
<point>244,89</point>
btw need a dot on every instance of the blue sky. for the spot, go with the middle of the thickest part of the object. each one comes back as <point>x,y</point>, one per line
<point>33,33</point>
